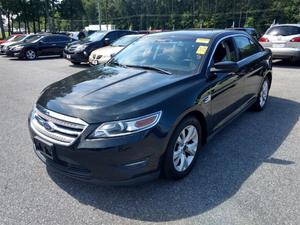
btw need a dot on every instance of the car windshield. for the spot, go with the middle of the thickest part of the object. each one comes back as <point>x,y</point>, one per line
<point>283,30</point>
<point>97,36</point>
<point>178,55</point>
<point>20,38</point>
<point>33,38</point>
<point>126,40</point>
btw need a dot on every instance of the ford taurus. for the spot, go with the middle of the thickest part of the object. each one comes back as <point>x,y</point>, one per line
<point>150,109</point>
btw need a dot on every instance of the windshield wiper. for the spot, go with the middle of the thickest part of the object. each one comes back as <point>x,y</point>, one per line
<point>150,68</point>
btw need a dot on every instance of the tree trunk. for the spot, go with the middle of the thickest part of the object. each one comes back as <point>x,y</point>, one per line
<point>8,23</point>
<point>39,24</point>
<point>45,25</point>
<point>19,23</point>
<point>12,24</point>
<point>2,25</point>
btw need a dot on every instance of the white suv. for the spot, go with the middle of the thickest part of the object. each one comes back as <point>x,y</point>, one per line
<point>283,40</point>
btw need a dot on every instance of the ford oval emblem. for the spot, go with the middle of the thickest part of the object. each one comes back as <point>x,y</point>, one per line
<point>48,126</point>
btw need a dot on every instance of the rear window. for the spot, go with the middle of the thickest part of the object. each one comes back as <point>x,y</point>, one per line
<point>283,31</point>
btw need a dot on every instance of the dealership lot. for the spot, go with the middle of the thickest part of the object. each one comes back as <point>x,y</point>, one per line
<point>248,174</point>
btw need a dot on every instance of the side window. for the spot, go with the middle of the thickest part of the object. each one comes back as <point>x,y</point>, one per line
<point>62,39</point>
<point>112,36</point>
<point>46,39</point>
<point>225,51</point>
<point>246,47</point>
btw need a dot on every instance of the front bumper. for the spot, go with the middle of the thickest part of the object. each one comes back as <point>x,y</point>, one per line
<point>115,161</point>
<point>13,53</point>
<point>79,57</point>
<point>285,53</point>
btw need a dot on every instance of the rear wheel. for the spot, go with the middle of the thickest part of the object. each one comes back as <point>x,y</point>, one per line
<point>30,54</point>
<point>263,96</point>
<point>183,149</point>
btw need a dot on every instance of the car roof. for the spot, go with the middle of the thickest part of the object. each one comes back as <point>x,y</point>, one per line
<point>202,33</point>
<point>287,24</point>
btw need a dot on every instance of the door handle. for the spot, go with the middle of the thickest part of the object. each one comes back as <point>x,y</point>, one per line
<point>53,45</point>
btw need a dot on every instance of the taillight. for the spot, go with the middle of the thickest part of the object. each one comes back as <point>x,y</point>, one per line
<point>296,39</point>
<point>263,39</point>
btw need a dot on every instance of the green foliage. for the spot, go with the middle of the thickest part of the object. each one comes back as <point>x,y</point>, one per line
<point>60,15</point>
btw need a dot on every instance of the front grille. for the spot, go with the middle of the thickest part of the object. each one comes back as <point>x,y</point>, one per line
<point>56,128</point>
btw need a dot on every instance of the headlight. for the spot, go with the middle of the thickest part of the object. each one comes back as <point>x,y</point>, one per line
<point>80,48</point>
<point>18,47</point>
<point>125,127</point>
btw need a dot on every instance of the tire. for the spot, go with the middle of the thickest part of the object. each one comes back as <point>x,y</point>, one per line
<point>263,96</point>
<point>75,63</point>
<point>30,54</point>
<point>179,161</point>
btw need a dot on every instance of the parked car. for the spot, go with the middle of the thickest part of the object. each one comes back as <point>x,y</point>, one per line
<point>152,107</point>
<point>10,38</point>
<point>79,51</point>
<point>103,55</point>
<point>43,45</point>
<point>21,40</point>
<point>15,38</point>
<point>283,40</point>
<point>248,30</point>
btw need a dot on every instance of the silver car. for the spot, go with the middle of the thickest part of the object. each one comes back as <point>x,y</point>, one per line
<point>283,40</point>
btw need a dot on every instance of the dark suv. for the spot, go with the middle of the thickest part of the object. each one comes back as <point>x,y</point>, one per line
<point>41,45</point>
<point>79,51</point>
<point>152,107</point>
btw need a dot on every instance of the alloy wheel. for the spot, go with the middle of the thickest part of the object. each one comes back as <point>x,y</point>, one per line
<point>264,93</point>
<point>185,148</point>
<point>30,54</point>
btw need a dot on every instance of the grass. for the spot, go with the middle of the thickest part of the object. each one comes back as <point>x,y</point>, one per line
<point>6,34</point>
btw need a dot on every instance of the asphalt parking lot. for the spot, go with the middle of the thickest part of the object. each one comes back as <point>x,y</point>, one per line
<point>248,174</point>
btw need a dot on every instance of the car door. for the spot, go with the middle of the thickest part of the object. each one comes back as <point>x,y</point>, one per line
<point>61,42</point>
<point>226,87</point>
<point>252,64</point>
<point>44,47</point>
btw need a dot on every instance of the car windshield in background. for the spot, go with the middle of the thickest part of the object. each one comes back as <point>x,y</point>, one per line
<point>173,54</point>
<point>124,41</point>
<point>283,31</point>
<point>97,36</point>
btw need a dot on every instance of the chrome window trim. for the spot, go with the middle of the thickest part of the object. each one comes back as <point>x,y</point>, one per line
<point>222,39</point>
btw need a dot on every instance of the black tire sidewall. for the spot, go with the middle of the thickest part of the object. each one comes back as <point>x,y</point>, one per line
<point>169,170</point>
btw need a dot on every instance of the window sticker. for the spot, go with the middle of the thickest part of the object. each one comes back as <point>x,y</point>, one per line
<point>201,50</point>
<point>202,40</point>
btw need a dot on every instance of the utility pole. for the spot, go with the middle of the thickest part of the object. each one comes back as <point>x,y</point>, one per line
<point>99,15</point>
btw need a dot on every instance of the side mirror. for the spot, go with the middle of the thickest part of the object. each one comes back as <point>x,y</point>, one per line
<point>227,66</point>
<point>106,41</point>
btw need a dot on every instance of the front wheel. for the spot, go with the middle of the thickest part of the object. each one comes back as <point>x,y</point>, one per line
<point>182,149</point>
<point>30,54</point>
<point>263,96</point>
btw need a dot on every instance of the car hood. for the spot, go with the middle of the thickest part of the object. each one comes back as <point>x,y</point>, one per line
<point>8,43</point>
<point>107,51</point>
<point>101,93</point>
